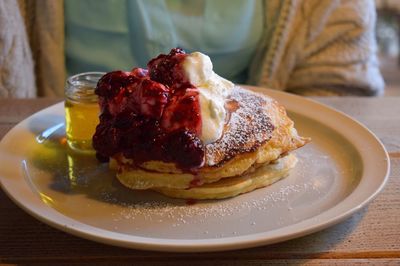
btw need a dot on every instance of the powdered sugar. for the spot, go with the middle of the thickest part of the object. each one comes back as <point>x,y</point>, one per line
<point>180,213</point>
<point>248,128</point>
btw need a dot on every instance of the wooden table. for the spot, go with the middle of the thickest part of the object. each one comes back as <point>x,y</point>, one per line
<point>371,236</point>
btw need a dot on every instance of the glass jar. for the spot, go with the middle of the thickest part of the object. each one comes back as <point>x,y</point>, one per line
<point>81,110</point>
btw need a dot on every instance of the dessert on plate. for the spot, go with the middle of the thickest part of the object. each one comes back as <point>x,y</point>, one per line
<point>180,129</point>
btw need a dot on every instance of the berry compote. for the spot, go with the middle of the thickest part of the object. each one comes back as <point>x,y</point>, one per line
<point>150,114</point>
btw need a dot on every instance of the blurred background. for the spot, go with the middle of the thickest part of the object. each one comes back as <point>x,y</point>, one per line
<point>388,37</point>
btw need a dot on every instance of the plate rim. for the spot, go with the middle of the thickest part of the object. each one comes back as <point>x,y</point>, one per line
<point>80,229</point>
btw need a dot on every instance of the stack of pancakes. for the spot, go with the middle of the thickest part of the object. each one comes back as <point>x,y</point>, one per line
<point>253,152</point>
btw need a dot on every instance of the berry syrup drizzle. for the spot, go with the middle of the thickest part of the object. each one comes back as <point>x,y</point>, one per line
<point>150,114</point>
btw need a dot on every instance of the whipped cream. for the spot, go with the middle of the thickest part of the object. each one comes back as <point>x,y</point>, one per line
<point>213,92</point>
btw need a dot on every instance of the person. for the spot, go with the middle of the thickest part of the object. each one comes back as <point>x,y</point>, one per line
<point>309,47</point>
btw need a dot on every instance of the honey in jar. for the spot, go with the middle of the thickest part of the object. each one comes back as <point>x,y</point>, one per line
<point>81,110</point>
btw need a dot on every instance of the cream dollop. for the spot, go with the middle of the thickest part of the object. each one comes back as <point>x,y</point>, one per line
<point>213,91</point>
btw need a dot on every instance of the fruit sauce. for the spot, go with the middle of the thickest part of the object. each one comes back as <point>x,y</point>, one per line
<point>150,114</point>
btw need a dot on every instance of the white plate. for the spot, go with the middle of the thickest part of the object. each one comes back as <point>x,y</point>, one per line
<point>340,171</point>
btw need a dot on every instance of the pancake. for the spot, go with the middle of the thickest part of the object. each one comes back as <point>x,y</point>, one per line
<point>256,133</point>
<point>233,186</point>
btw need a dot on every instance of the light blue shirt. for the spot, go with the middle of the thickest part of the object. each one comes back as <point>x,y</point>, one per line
<point>121,34</point>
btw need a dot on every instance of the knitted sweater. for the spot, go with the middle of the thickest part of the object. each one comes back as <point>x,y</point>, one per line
<point>309,47</point>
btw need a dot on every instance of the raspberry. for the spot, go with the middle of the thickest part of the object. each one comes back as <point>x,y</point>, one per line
<point>167,69</point>
<point>151,98</point>
<point>183,112</point>
<point>184,148</point>
<point>111,83</point>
